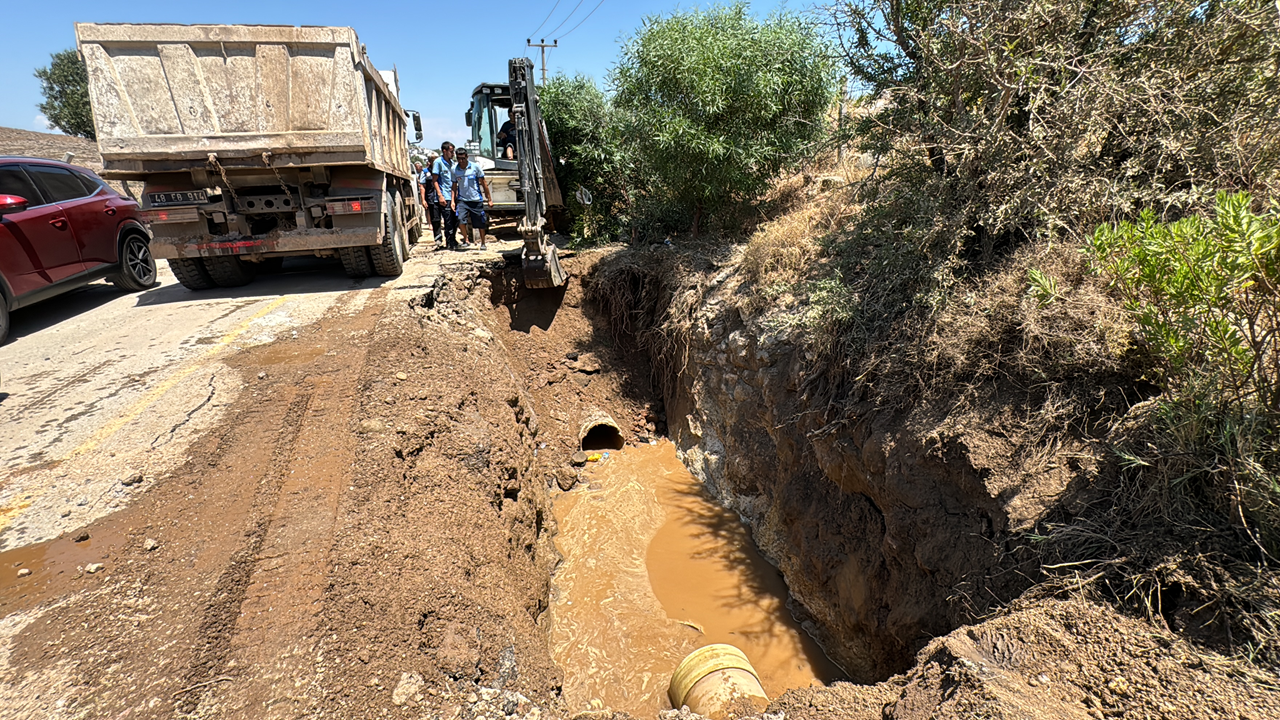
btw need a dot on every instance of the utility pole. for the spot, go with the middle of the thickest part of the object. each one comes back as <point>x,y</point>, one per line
<point>543,46</point>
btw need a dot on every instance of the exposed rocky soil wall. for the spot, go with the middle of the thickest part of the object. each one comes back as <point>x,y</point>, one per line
<point>897,525</point>
<point>874,524</point>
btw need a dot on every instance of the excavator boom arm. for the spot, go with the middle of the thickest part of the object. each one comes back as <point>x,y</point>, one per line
<point>537,179</point>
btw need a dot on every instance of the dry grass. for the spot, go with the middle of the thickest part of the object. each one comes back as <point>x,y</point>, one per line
<point>806,207</point>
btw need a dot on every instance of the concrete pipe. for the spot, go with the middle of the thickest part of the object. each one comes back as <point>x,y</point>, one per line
<point>599,431</point>
<point>718,682</point>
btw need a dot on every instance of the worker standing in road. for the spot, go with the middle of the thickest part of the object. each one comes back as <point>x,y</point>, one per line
<point>468,180</point>
<point>429,199</point>
<point>442,183</point>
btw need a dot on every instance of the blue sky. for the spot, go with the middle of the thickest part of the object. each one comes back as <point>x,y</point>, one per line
<point>442,50</point>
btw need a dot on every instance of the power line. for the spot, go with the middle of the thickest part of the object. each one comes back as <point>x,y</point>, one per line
<point>566,18</point>
<point>544,47</point>
<point>545,19</point>
<point>575,27</point>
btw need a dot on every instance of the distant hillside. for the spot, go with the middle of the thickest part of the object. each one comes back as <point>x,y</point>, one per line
<point>48,145</point>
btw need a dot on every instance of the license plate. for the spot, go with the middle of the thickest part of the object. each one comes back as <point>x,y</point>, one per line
<point>184,197</point>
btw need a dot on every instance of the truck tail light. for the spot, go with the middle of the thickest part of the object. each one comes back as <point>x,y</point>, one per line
<point>171,215</point>
<point>354,206</point>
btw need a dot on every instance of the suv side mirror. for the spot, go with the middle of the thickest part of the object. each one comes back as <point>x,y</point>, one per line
<point>10,204</point>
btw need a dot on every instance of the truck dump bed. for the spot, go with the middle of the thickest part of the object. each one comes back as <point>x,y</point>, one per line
<point>164,95</point>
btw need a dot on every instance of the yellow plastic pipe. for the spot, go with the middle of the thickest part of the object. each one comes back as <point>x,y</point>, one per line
<point>718,682</point>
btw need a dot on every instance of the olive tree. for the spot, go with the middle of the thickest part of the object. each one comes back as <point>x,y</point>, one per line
<point>719,101</point>
<point>65,85</point>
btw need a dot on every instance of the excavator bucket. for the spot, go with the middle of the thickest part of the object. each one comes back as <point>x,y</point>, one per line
<point>539,261</point>
<point>543,272</point>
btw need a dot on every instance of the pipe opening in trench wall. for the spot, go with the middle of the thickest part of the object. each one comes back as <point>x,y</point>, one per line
<point>599,431</point>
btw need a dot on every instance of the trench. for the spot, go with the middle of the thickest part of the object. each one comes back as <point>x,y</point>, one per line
<point>653,569</point>
<point>650,566</point>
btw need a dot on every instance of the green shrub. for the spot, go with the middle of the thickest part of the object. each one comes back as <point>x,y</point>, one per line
<point>586,139</point>
<point>718,102</point>
<point>1205,295</point>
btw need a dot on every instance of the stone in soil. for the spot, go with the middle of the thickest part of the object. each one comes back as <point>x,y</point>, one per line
<point>566,478</point>
<point>587,363</point>
<point>409,689</point>
<point>81,536</point>
<point>459,652</point>
<point>93,567</point>
<point>150,544</point>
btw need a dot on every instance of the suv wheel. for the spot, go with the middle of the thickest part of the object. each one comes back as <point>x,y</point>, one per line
<point>137,266</point>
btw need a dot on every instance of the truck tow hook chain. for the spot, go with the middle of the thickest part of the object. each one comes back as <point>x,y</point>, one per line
<point>213,160</point>
<point>266,160</point>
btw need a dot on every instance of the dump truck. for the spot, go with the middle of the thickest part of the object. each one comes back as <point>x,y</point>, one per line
<point>255,143</point>
<point>524,186</point>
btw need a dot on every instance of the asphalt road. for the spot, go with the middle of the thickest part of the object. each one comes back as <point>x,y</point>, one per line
<point>101,391</point>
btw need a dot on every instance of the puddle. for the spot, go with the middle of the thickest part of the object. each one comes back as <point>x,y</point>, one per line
<point>654,569</point>
<point>51,563</point>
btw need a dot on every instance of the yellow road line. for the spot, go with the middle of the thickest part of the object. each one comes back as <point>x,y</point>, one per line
<point>111,428</point>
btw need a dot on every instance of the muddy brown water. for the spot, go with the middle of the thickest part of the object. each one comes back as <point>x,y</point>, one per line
<point>654,569</point>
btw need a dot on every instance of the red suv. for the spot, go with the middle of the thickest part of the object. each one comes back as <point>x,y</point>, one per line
<point>62,227</point>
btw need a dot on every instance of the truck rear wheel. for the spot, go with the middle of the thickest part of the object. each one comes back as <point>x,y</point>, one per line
<point>228,270</point>
<point>355,260</point>
<point>191,273</point>
<point>388,258</point>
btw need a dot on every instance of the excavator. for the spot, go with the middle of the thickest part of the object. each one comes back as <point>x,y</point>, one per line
<point>524,185</point>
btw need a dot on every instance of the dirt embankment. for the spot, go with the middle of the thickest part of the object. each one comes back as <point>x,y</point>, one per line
<point>892,528</point>
<point>50,145</point>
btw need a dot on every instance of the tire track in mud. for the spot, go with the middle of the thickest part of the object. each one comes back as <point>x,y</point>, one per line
<point>219,623</point>
<point>45,399</point>
<point>267,618</point>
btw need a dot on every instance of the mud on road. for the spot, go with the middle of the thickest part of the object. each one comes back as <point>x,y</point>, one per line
<point>364,531</point>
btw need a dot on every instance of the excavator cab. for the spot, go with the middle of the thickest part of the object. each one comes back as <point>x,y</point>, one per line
<point>525,185</point>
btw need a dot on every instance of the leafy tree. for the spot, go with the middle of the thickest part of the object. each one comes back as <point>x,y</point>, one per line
<point>586,138</point>
<point>718,102</point>
<point>65,84</point>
